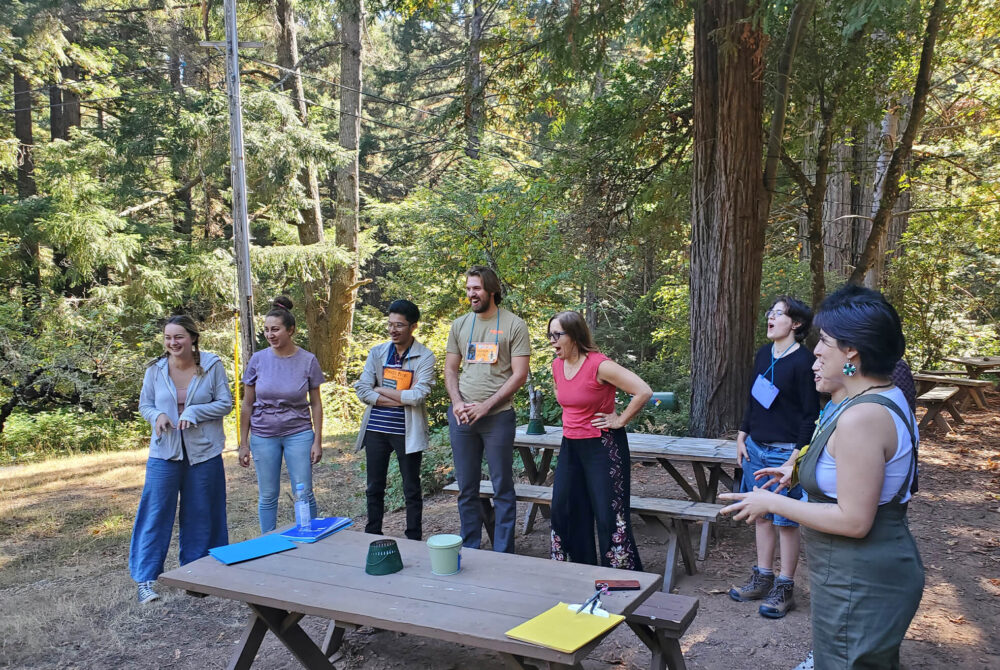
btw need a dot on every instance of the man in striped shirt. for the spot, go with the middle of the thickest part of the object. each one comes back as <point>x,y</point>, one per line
<point>397,378</point>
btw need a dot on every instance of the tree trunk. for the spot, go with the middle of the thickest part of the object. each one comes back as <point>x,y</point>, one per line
<point>311,227</point>
<point>26,188</point>
<point>475,104</point>
<point>727,232</point>
<point>330,328</point>
<point>57,125</point>
<point>70,101</point>
<point>900,156</point>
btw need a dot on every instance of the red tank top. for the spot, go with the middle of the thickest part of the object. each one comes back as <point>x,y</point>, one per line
<point>582,396</point>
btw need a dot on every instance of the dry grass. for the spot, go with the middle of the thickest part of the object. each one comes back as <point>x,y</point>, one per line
<point>65,526</point>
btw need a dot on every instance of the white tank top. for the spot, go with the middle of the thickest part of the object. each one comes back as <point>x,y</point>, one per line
<point>896,470</point>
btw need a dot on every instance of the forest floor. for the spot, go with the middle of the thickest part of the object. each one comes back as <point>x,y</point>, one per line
<point>68,601</point>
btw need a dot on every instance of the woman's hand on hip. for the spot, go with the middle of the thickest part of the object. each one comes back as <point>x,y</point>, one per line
<point>749,506</point>
<point>607,421</point>
<point>316,453</point>
<point>243,455</point>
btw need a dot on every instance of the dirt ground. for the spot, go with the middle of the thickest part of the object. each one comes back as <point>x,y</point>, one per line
<point>70,604</point>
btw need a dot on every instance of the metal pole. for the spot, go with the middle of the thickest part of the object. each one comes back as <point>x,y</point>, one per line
<point>241,227</point>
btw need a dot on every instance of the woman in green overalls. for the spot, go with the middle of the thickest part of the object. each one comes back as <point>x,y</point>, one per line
<point>866,577</point>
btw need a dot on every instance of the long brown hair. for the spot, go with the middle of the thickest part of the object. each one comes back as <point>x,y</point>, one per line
<point>490,281</point>
<point>576,329</point>
<point>188,324</point>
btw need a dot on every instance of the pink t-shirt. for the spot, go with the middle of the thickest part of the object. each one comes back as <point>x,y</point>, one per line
<point>582,396</point>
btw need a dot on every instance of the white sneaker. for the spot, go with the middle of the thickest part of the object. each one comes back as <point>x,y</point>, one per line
<point>146,593</point>
<point>806,664</point>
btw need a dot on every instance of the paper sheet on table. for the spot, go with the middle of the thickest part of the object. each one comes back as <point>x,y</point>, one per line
<point>562,629</point>
<point>255,548</point>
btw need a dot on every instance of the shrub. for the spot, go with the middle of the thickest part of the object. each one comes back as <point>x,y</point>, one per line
<point>34,437</point>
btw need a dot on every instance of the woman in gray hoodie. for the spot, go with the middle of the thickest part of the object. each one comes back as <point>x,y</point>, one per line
<point>185,395</point>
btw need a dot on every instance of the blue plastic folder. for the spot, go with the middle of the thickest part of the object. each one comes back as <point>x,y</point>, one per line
<point>255,548</point>
<point>318,529</point>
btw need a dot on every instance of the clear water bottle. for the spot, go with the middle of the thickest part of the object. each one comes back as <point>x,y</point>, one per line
<point>303,515</point>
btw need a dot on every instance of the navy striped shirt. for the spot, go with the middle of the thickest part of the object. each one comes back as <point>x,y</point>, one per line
<point>390,420</point>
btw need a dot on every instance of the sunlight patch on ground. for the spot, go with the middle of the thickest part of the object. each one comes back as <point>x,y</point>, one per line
<point>941,612</point>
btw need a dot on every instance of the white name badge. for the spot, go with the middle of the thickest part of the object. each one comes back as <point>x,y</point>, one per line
<point>764,391</point>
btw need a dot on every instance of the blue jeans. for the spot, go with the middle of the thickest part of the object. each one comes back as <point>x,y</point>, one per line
<point>494,435</point>
<point>267,452</point>
<point>202,491</point>
<point>763,455</point>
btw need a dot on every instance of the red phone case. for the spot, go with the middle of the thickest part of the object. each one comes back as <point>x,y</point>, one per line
<point>617,584</point>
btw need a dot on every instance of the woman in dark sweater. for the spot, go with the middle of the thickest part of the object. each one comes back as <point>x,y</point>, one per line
<point>779,419</point>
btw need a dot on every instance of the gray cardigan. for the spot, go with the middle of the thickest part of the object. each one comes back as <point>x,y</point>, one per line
<point>208,401</point>
<point>421,362</point>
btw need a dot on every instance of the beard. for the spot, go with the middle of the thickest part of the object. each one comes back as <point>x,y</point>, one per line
<point>483,305</point>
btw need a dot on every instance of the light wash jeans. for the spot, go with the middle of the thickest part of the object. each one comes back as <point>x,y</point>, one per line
<point>267,452</point>
<point>202,492</point>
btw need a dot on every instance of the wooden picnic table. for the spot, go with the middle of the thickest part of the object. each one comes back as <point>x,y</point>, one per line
<point>967,388</point>
<point>976,365</point>
<point>708,459</point>
<point>491,594</point>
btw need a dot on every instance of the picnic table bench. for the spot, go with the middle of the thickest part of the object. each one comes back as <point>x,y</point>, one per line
<point>665,517</point>
<point>708,458</point>
<point>967,388</point>
<point>935,400</point>
<point>475,607</point>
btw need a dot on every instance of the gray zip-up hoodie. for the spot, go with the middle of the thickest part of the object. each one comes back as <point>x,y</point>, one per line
<point>208,401</point>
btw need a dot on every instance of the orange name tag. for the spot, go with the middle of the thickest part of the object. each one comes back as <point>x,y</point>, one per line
<point>394,378</point>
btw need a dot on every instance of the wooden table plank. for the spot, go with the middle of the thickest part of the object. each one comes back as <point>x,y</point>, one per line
<point>492,593</point>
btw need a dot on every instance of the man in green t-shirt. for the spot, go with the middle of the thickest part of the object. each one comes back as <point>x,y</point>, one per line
<point>486,362</point>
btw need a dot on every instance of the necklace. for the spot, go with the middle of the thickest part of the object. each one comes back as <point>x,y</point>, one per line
<point>872,387</point>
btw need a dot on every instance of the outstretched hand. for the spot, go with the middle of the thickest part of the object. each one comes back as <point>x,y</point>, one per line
<point>781,475</point>
<point>749,506</point>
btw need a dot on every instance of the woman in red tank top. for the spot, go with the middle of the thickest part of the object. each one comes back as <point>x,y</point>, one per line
<point>592,477</point>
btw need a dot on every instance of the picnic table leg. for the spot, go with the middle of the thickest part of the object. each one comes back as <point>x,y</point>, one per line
<point>536,475</point>
<point>715,471</point>
<point>679,478</point>
<point>489,516</point>
<point>666,651</point>
<point>333,639</point>
<point>953,410</point>
<point>249,643</point>
<point>293,637</point>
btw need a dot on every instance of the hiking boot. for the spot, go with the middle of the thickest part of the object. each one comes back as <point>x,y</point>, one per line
<point>779,601</point>
<point>755,589</point>
<point>146,593</point>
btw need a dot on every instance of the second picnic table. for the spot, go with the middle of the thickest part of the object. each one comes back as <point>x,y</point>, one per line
<point>976,366</point>
<point>708,458</point>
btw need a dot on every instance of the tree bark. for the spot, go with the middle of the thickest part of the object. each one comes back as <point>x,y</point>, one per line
<point>796,24</point>
<point>330,324</point>
<point>880,221</point>
<point>57,125</point>
<point>70,101</point>
<point>311,227</point>
<point>475,103</point>
<point>727,231</point>
<point>28,249</point>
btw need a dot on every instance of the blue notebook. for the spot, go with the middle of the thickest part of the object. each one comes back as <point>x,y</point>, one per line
<point>250,549</point>
<point>318,529</point>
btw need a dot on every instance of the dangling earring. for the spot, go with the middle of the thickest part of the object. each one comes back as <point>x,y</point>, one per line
<point>850,369</point>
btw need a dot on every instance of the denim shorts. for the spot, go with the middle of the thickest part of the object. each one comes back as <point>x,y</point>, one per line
<point>763,455</point>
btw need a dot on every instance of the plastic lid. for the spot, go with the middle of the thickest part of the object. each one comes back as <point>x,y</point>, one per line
<point>444,541</point>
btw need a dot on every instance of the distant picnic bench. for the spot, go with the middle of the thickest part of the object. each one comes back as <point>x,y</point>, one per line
<point>947,392</point>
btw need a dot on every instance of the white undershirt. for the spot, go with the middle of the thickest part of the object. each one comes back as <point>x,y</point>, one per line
<point>896,470</point>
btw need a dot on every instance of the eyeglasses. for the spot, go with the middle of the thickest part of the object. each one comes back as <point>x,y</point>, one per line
<point>398,326</point>
<point>774,312</point>
<point>555,335</point>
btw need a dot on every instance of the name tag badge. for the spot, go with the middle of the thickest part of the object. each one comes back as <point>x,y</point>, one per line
<point>482,352</point>
<point>394,378</point>
<point>764,391</point>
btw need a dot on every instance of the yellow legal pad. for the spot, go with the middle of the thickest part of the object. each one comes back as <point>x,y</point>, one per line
<point>562,629</point>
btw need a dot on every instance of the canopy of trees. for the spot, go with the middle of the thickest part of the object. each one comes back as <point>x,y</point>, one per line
<point>665,167</point>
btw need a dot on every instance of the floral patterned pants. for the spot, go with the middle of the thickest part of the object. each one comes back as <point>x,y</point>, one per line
<point>592,484</point>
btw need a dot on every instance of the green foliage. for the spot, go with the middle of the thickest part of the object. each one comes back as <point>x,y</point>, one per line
<point>63,432</point>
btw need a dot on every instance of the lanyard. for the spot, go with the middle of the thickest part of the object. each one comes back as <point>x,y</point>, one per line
<point>473,329</point>
<point>825,418</point>
<point>775,359</point>
<point>392,355</point>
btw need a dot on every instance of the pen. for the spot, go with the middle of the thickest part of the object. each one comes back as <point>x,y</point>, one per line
<point>592,601</point>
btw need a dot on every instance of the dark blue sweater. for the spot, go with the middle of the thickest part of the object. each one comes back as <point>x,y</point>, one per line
<point>792,415</point>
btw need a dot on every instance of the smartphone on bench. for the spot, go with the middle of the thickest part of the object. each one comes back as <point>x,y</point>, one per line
<point>617,584</point>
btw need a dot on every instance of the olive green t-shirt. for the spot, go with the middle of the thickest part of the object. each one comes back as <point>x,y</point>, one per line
<point>497,339</point>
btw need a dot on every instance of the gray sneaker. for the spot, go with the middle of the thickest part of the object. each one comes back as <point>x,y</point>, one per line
<point>779,601</point>
<point>146,593</point>
<point>755,589</point>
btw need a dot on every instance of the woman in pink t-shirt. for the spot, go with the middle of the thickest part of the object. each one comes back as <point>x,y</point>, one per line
<point>592,477</point>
